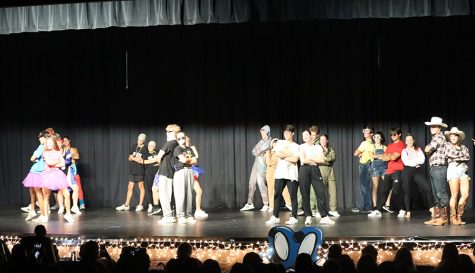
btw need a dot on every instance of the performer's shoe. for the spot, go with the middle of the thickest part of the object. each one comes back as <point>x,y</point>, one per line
<point>69,217</point>
<point>273,220</point>
<point>334,213</point>
<point>401,214</point>
<point>181,220</point>
<point>375,213</point>
<point>317,214</point>
<point>289,207</point>
<point>82,207</point>
<point>300,212</point>
<point>201,214</point>
<point>61,210</point>
<point>150,208</point>
<point>327,221</point>
<point>139,208</point>
<point>155,211</point>
<point>26,209</point>
<point>265,208</point>
<point>388,209</point>
<point>308,220</point>
<point>76,210</point>
<point>355,210</point>
<point>41,219</point>
<point>55,207</point>
<point>167,220</point>
<point>31,215</point>
<point>123,207</point>
<point>248,207</point>
<point>190,220</point>
<point>292,221</point>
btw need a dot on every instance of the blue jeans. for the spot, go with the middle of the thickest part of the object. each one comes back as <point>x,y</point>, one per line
<point>438,181</point>
<point>366,187</point>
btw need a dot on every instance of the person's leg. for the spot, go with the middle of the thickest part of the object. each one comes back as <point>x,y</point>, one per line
<point>313,199</point>
<point>179,187</point>
<point>32,198</point>
<point>252,183</point>
<point>286,195</point>
<point>270,185</point>
<point>366,187</point>
<point>40,198</point>
<point>59,200</point>
<point>75,196</point>
<point>454,184</point>
<point>304,185</point>
<point>82,204</point>
<point>332,189</point>
<point>142,192</point>
<point>261,183</point>
<point>407,184</point>
<point>67,199</point>
<point>278,188</point>
<point>46,193</point>
<point>397,198</point>
<point>464,192</point>
<point>165,191</point>
<point>293,188</point>
<point>320,192</point>
<point>130,189</point>
<point>188,193</point>
<point>374,195</point>
<point>440,181</point>
<point>383,191</point>
<point>199,193</point>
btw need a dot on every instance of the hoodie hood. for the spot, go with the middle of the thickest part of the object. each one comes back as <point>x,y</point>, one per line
<point>266,129</point>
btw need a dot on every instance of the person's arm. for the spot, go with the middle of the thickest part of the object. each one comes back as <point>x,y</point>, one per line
<point>404,158</point>
<point>51,162</point>
<point>293,157</point>
<point>465,155</point>
<point>74,153</point>
<point>303,158</point>
<point>160,155</point>
<point>420,157</point>
<point>434,143</point>
<point>330,157</point>
<point>319,158</point>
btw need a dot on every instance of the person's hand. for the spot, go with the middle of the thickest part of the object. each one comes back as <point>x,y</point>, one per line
<point>131,157</point>
<point>473,139</point>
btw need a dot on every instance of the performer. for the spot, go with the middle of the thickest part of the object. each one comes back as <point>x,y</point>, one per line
<point>33,179</point>
<point>378,166</point>
<point>74,163</point>
<point>365,153</point>
<point>413,158</point>
<point>166,171</point>
<point>258,172</point>
<point>438,171</point>
<point>151,169</point>
<point>54,179</point>
<point>197,171</point>
<point>457,158</point>
<point>309,174</point>
<point>136,173</point>
<point>183,180</point>
<point>69,169</point>
<point>328,174</point>
<point>271,163</point>
<point>392,177</point>
<point>286,174</point>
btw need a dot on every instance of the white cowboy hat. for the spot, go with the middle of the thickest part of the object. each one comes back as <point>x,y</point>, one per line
<point>435,121</point>
<point>455,131</point>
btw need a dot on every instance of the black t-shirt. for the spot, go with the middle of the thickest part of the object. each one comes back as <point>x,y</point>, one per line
<point>166,164</point>
<point>150,169</point>
<point>187,152</point>
<point>134,167</point>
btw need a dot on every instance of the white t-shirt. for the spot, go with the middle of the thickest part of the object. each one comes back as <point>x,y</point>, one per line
<point>284,168</point>
<point>311,151</point>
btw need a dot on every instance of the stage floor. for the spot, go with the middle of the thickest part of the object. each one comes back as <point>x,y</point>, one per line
<point>228,224</point>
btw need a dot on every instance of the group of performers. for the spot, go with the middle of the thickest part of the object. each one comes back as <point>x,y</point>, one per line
<point>54,170</point>
<point>447,163</point>
<point>170,172</point>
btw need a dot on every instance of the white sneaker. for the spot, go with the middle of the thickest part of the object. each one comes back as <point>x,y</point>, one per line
<point>32,214</point>
<point>139,208</point>
<point>55,207</point>
<point>300,212</point>
<point>76,210</point>
<point>308,220</point>
<point>167,220</point>
<point>292,221</point>
<point>317,215</point>
<point>123,207</point>
<point>26,209</point>
<point>289,207</point>
<point>190,220</point>
<point>61,210</point>
<point>182,220</point>
<point>265,208</point>
<point>69,217</point>
<point>327,221</point>
<point>273,220</point>
<point>334,213</point>
<point>401,214</point>
<point>82,207</point>
<point>375,213</point>
<point>41,219</point>
<point>201,214</point>
<point>150,208</point>
<point>247,207</point>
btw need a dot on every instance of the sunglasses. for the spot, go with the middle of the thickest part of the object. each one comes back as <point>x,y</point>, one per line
<point>394,134</point>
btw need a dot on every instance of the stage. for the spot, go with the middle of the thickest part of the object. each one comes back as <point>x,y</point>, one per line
<point>233,225</point>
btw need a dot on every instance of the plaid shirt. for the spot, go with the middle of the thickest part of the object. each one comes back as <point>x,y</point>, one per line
<point>437,148</point>
<point>458,155</point>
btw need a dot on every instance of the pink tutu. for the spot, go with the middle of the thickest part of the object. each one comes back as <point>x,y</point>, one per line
<point>33,180</point>
<point>54,180</point>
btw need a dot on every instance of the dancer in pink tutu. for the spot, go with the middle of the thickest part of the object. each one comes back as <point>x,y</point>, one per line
<point>54,179</point>
<point>32,180</point>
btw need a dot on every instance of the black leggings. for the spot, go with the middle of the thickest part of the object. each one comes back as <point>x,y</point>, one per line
<point>310,175</point>
<point>279,199</point>
<point>412,177</point>
<point>390,182</point>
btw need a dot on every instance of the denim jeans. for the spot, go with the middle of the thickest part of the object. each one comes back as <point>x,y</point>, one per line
<point>366,187</point>
<point>438,181</point>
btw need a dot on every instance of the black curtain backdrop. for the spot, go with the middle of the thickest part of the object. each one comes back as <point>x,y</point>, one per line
<point>221,83</point>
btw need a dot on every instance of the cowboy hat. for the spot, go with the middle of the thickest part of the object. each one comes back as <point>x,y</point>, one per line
<point>435,121</point>
<point>455,131</point>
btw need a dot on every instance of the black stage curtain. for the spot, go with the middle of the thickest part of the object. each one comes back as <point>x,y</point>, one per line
<point>51,16</point>
<point>221,83</point>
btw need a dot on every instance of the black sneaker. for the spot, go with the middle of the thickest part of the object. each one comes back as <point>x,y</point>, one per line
<point>388,209</point>
<point>365,211</point>
<point>155,211</point>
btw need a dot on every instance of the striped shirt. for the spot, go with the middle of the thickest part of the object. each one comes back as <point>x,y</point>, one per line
<point>437,148</point>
